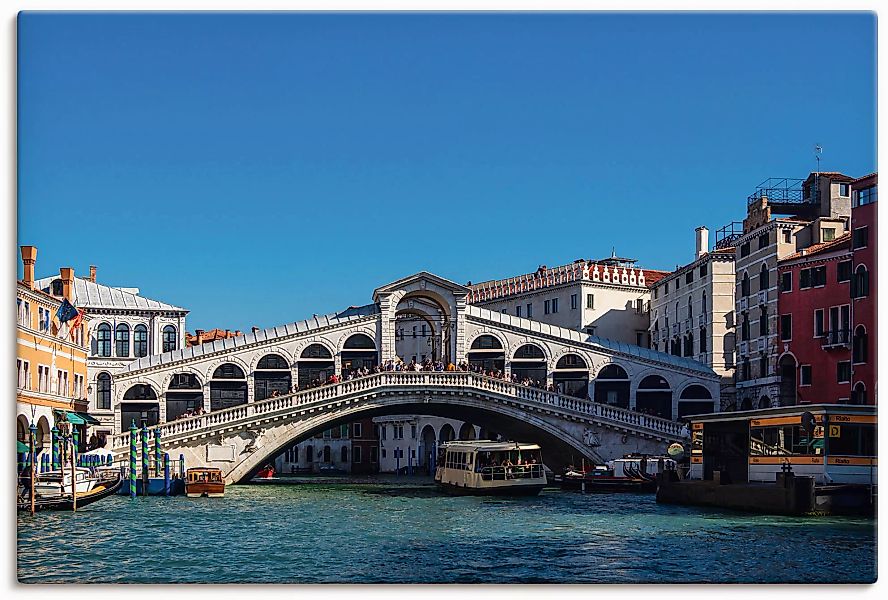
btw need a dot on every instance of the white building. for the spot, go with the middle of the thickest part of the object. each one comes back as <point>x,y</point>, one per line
<point>692,311</point>
<point>123,327</point>
<point>821,210</point>
<point>411,441</point>
<point>607,298</point>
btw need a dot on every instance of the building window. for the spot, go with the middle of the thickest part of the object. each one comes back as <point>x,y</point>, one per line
<point>140,341</point>
<point>843,271</point>
<point>818,276</point>
<point>546,305</point>
<point>530,311</point>
<point>763,365</point>
<point>703,339</point>
<point>787,236</point>
<point>764,278</point>
<point>169,338</point>
<point>518,311</point>
<point>413,432</point>
<point>764,327</point>
<point>744,250</point>
<point>639,338</point>
<point>785,328</point>
<point>786,282</point>
<point>666,289</point>
<point>763,241</point>
<point>573,302</point>
<point>744,284</point>
<point>62,383</point>
<point>356,454</point>
<point>24,374</point>
<point>818,323</point>
<point>843,372</point>
<point>356,430</point>
<point>828,234</point>
<point>103,391</point>
<point>382,429</point>
<point>746,371</point>
<point>704,270</point>
<point>859,346</point>
<point>844,189</point>
<point>804,279</point>
<point>744,328</point>
<point>590,300</point>
<point>690,308</point>
<point>103,340</point>
<point>689,277</point>
<point>860,238</point>
<point>860,283</point>
<point>805,375</point>
<point>374,455</point>
<point>504,311</point>
<point>865,196</point>
<point>121,338</point>
<point>554,305</point>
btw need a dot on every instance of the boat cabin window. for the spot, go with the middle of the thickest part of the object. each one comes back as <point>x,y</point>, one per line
<point>507,458</point>
<point>785,440</point>
<point>851,439</point>
<point>458,460</point>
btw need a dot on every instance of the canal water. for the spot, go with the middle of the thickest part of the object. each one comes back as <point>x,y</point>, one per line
<point>401,531</point>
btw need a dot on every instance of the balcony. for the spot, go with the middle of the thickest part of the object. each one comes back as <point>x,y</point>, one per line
<point>836,340</point>
<point>763,297</point>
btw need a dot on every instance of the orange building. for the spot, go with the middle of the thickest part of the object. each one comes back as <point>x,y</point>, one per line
<point>50,362</point>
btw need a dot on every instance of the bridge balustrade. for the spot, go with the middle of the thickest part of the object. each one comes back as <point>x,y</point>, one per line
<point>326,393</point>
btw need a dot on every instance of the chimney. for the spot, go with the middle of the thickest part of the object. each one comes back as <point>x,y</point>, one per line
<point>92,273</point>
<point>702,241</point>
<point>238,333</point>
<point>66,274</point>
<point>255,329</point>
<point>29,258</point>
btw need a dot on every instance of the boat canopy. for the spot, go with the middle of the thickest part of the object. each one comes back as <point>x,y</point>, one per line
<point>489,446</point>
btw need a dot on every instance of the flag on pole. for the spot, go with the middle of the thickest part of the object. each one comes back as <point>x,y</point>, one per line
<point>75,324</point>
<point>66,311</point>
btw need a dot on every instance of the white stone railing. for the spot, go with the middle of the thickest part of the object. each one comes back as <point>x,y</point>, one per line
<point>320,396</point>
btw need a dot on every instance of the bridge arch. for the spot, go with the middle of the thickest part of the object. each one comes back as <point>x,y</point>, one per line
<point>357,350</point>
<point>272,376</point>
<point>695,399</point>
<point>612,385</point>
<point>427,445</point>
<point>571,375</point>
<point>513,423</point>
<point>654,396</point>
<point>315,363</point>
<point>261,354</point>
<point>467,431</point>
<point>230,358</point>
<point>184,393</point>
<point>487,352</point>
<point>140,405</point>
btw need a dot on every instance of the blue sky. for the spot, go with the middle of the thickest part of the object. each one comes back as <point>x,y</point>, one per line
<point>258,168</point>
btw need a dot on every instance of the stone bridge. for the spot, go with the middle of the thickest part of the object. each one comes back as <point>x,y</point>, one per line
<point>242,439</point>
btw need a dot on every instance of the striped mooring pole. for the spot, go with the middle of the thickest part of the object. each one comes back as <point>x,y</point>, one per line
<point>55,448</point>
<point>157,453</point>
<point>134,440</point>
<point>145,458</point>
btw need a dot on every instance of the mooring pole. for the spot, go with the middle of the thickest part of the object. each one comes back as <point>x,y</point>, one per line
<point>145,459</point>
<point>134,433</point>
<point>73,471</point>
<point>157,453</point>
<point>33,457</point>
<point>55,447</point>
<point>166,474</point>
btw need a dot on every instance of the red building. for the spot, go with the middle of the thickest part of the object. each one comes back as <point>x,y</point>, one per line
<point>814,324</point>
<point>864,287</point>
<point>365,447</point>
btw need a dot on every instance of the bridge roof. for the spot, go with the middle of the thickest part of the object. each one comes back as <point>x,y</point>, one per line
<point>445,283</point>
<point>350,314</point>
<point>590,341</point>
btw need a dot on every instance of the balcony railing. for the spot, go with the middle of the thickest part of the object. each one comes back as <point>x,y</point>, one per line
<point>838,338</point>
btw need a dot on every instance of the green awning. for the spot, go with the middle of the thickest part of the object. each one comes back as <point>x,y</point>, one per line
<point>79,418</point>
<point>21,448</point>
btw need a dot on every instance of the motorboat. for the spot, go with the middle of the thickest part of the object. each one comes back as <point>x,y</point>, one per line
<point>204,481</point>
<point>632,473</point>
<point>101,489</point>
<point>57,483</point>
<point>484,467</point>
<point>266,472</point>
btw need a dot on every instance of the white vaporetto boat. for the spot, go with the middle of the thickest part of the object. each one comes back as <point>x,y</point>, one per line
<point>479,467</point>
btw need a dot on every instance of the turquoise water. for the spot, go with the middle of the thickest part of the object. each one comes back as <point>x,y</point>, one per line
<point>392,531</point>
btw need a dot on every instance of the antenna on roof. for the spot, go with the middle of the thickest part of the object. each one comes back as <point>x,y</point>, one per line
<point>613,251</point>
<point>818,150</point>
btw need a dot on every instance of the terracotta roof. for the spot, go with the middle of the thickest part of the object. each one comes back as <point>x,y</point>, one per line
<point>210,335</point>
<point>836,244</point>
<point>859,179</point>
<point>834,175</point>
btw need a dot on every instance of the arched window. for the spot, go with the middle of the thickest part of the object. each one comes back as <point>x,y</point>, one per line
<point>121,339</point>
<point>860,289</point>
<point>764,325</point>
<point>316,351</point>
<point>103,391</point>
<point>169,339</point>
<point>103,340</point>
<point>309,453</point>
<point>764,402</point>
<point>858,395</point>
<point>529,351</point>
<point>140,341</point>
<point>689,345</point>
<point>744,285</point>
<point>228,371</point>
<point>486,342</point>
<point>273,361</point>
<point>859,347</point>
<point>703,339</point>
<point>571,361</point>
<point>690,308</point>
<point>359,341</point>
<point>703,305</point>
<point>764,278</point>
<point>612,372</point>
<point>327,454</point>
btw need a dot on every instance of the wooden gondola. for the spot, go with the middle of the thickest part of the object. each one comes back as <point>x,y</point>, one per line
<point>102,489</point>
